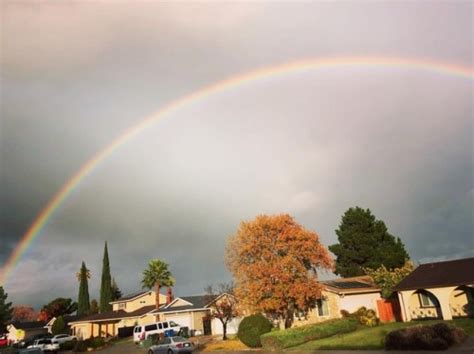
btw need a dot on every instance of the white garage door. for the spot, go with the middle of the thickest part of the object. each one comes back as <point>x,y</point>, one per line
<point>184,320</point>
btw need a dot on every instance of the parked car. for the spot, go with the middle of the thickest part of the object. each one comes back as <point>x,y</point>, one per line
<point>45,345</point>
<point>63,338</point>
<point>142,332</point>
<point>172,345</point>
<point>3,341</point>
<point>29,341</point>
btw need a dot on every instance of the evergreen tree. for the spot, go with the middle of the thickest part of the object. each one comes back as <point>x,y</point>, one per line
<point>5,310</point>
<point>83,304</point>
<point>106,284</point>
<point>59,326</point>
<point>94,309</point>
<point>364,242</point>
<point>116,293</point>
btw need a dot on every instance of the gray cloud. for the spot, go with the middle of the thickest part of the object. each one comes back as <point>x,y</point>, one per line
<point>312,143</point>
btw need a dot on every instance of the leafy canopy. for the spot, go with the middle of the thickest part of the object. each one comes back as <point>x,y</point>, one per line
<point>58,307</point>
<point>157,272</point>
<point>274,261</point>
<point>387,279</point>
<point>364,242</point>
<point>5,310</point>
<point>59,326</point>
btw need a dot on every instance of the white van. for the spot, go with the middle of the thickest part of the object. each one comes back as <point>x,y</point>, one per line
<point>142,332</point>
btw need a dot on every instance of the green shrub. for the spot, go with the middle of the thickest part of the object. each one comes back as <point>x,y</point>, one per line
<point>68,345</point>
<point>95,342</point>
<point>59,327</point>
<point>80,346</point>
<point>282,339</point>
<point>251,328</point>
<point>435,337</point>
<point>366,317</point>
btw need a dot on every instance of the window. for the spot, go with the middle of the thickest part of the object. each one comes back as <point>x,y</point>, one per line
<point>151,327</point>
<point>138,329</point>
<point>322,306</point>
<point>165,325</point>
<point>173,324</point>
<point>160,326</point>
<point>122,305</point>
<point>425,300</point>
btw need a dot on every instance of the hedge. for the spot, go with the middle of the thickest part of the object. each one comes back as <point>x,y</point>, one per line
<point>436,337</point>
<point>251,329</point>
<point>282,339</point>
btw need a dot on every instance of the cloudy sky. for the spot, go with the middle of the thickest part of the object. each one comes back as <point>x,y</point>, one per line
<point>313,143</point>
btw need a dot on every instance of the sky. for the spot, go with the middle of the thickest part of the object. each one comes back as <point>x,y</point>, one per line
<point>75,75</point>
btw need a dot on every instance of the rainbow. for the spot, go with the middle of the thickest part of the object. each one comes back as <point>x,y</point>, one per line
<point>232,82</point>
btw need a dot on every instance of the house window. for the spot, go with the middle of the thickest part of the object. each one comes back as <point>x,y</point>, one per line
<point>122,305</point>
<point>425,300</point>
<point>322,305</point>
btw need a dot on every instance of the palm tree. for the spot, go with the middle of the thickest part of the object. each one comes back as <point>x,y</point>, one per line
<point>155,276</point>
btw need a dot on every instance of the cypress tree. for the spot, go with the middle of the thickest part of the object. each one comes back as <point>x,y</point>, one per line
<point>83,304</point>
<point>106,284</point>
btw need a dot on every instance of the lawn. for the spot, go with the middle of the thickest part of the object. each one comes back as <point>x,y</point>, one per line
<point>227,345</point>
<point>371,337</point>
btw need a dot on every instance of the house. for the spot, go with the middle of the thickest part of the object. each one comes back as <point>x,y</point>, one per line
<point>442,290</point>
<point>347,294</point>
<point>17,331</point>
<point>139,309</point>
<point>126,312</point>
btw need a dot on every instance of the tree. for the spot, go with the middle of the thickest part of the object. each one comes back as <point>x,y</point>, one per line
<point>23,313</point>
<point>116,293</point>
<point>155,276</point>
<point>83,305</point>
<point>275,261</point>
<point>5,310</point>
<point>58,307</point>
<point>94,307</point>
<point>223,304</point>
<point>106,284</point>
<point>59,326</point>
<point>364,242</point>
<point>388,279</point>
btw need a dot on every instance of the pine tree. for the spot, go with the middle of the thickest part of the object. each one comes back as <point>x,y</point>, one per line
<point>5,310</point>
<point>116,293</point>
<point>106,284</point>
<point>364,242</point>
<point>83,304</point>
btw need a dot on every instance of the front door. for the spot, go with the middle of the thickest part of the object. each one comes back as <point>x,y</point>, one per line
<point>206,324</point>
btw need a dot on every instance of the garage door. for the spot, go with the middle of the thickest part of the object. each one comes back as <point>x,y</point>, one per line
<point>232,326</point>
<point>184,320</point>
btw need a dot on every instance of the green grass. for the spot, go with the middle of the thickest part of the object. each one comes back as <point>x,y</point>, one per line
<point>372,337</point>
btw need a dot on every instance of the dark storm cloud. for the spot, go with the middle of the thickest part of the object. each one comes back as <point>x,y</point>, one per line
<point>75,76</point>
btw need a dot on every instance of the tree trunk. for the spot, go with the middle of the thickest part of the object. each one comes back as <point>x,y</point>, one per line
<point>224,331</point>
<point>157,301</point>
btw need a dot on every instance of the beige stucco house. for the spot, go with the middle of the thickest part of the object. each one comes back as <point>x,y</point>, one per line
<point>341,294</point>
<point>139,309</point>
<point>443,290</point>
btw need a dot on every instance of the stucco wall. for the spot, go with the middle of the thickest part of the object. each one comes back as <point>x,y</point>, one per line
<point>353,302</point>
<point>146,300</point>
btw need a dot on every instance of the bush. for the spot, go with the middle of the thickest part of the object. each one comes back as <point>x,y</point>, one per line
<point>95,342</point>
<point>282,339</point>
<point>345,314</point>
<point>251,328</point>
<point>435,337</point>
<point>59,327</point>
<point>366,317</point>
<point>80,346</point>
<point>68,345</point>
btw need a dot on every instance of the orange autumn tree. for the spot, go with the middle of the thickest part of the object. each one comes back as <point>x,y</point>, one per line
<point>274,261</point>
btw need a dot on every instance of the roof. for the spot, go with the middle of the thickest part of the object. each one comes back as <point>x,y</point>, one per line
<point>131,296</point>
<point>353,285</point>
<point>116,315</point>
<point>440,274</point>
<point>28,325</point>
<point>196,302</point>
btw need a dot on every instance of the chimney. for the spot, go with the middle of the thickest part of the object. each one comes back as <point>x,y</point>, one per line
<point>169,296</point>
